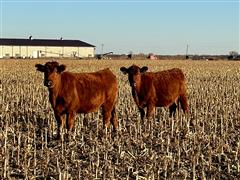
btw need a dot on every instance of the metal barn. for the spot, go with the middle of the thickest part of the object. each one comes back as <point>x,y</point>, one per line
<point>40,48</point>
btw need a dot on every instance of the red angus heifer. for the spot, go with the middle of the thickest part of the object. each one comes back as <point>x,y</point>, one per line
<point>71,93</point>
<point>159,89</point>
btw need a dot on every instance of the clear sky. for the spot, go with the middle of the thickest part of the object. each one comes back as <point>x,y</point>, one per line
<point>140,26</point>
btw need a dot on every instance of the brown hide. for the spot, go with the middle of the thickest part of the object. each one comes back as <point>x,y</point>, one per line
<point>157,89</point>
<point>71,93</point>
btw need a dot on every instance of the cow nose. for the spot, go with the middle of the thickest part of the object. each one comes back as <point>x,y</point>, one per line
<point>50,83</point>
<point>134,84</point>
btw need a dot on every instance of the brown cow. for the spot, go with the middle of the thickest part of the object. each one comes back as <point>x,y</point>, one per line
<point>71,93</point>
<point>159,89</point>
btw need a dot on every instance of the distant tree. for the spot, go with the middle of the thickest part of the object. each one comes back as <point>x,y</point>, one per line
<point>233,53</point>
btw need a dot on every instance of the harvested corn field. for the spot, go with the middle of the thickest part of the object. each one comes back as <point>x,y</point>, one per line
<point>204,144</point>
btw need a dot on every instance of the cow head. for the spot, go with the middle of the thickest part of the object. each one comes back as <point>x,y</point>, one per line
<point>52,72</point>
<point>134,74</point>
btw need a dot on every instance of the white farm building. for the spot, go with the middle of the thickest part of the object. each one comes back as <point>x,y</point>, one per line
<point>40,48</point>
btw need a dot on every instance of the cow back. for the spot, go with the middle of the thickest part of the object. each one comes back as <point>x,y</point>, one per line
<point>162,87</point>
<point>86,92</point>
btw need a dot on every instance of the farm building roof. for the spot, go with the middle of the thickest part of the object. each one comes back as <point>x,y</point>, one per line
<point>43,42</point>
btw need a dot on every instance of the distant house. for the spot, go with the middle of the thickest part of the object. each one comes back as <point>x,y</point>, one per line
<point>151,56</point>
<point>39,48</point>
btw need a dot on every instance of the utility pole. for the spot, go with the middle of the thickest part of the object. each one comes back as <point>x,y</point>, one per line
<point>187,52</point>
<point>102,48</point>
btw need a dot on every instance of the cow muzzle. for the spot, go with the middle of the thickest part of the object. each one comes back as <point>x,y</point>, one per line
<point>133,84</point>
<point>49,84</point>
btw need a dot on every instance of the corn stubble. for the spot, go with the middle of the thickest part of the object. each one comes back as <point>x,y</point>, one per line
<point>205,144</point>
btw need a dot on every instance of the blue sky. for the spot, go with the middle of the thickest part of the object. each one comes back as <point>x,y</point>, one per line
<point>157,26</point>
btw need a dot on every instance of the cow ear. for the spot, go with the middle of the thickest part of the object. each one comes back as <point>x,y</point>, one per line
<point>124,70</point>
<point>61,68</point>
<point>143,69</point>
<point>40,67</point>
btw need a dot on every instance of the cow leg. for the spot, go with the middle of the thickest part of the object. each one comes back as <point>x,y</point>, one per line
<point>172,109</point>
<point>150,117</point>
<point>184,103</point>
<point>60,122</point>
<point>106,117</point>
<point>150,111</point>
<point>114,120</point>
<point>142,113</point>
<point>70,121</point>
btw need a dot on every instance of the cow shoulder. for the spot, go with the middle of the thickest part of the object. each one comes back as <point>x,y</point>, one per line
<point>147,82</point>
<point>67,78</point>
<point>69,84</point>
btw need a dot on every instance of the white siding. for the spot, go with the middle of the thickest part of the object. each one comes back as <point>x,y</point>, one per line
<point>45,51</point>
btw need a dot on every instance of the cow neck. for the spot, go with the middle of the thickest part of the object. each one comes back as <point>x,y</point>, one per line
<point>53,93</point>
